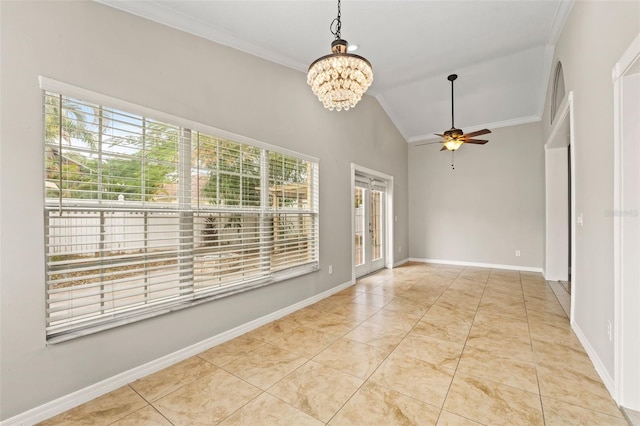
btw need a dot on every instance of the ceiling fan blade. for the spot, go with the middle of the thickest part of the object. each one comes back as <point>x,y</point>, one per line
<point>438,134</point>
<point>476,133</point>
<point>443,148</point>
<point>476,141</point>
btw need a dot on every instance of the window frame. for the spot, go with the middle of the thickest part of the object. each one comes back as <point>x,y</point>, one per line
<point>264,210</point>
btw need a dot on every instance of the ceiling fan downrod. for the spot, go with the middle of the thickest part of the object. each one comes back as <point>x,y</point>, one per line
<point>452,78</point>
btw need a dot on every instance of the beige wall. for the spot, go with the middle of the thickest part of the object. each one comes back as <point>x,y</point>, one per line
<point>107,51</point>
<point>491,205</point>
<point>594,37</point>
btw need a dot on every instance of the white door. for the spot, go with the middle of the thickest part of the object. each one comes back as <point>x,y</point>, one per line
<point>369,221</point>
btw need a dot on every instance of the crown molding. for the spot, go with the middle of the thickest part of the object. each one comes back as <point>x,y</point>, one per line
<point>495,125</point>
<point>159,12</point>
<point>564,8</point>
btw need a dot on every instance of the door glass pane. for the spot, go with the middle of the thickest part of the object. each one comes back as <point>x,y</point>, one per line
<point>376,225</point>
<point>359,226</point>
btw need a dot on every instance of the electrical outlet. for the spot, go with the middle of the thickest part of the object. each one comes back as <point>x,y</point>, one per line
<point>330,269</point>
<point>609,331</point>
<point>517,253</point>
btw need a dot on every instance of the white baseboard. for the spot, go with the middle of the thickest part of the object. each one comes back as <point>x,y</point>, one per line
<point>67,402</point>
<point>555,277</point>
<point>595,359</point>
<point>401,262</point>
<point>478,264</point>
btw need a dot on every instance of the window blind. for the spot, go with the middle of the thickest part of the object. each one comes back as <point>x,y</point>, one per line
<point>144,216</point>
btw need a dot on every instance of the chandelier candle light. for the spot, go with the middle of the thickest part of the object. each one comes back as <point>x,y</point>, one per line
<point>340,79</point>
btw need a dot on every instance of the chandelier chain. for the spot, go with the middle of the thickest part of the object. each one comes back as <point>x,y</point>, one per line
<point>337,22</point>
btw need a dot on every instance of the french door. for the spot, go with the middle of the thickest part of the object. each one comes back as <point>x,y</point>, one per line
<point>369,221</point>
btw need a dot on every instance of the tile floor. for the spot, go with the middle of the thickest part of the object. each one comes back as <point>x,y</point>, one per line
<point>418,345</point>
<point>632,416</point>
<point>562,294</point>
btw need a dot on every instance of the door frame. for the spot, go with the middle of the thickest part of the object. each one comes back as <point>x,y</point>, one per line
<point>556,139</point>
<point>625,309</point>
<point>388,221</point>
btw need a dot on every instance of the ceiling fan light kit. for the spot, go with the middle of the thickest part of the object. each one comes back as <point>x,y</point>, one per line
<point>452,145</point>
<point>340,79</point>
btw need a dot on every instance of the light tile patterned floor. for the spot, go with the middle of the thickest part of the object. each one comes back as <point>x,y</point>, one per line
<point>418,345</point>
<point>633,416</point>
<point>564,297</point>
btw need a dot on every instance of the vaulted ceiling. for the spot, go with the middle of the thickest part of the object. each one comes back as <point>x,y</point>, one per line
<point>501,50</point>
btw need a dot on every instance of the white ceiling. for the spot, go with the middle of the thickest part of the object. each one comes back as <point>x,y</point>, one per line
<point>501,50</point>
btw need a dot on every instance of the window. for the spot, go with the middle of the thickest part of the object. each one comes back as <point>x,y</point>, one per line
<point>144,215</point>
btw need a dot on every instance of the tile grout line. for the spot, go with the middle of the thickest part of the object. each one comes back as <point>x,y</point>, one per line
<point>559,301</point>
<point>239,378</point>
<point>387,357</point>
<point>535,358</point>
<point>149,404</point>
<point>444,400</point>
<point>267,342</point>
<point>548,287</point>
<point>262,391</point>
<point>265,391</point>
<point>463,346</point>
<point>372,373</point>
<point>311,359</point>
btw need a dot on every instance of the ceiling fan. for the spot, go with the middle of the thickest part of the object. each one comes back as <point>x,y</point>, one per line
<point>453,138</point>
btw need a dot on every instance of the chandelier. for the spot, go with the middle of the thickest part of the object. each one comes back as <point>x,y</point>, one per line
<point>340,79</point>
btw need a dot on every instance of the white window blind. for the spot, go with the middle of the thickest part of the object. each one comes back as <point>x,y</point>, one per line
<point>144,216</point>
